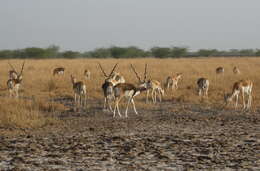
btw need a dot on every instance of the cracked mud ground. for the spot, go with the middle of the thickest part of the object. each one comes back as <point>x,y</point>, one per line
<point>167,137</point>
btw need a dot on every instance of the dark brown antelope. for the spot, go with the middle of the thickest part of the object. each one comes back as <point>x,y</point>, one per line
<point>109,83</point>
<point>126,90</point>
<point>203,86</point>
<point>219,72</point>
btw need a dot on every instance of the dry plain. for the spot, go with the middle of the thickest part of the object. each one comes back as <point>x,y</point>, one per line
<point>40,130</point>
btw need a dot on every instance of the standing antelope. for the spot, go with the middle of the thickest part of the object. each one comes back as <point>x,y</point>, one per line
<point>236,70</point>
<point>59,71</point>
<point>87,74</point>
<point>13,84</point>
<point>126,90</point>
<point>173,81</point>
<point>156,87</point>
<point>153,85</point>
<point>243,87</point>
<point>80,92</point>
<point>110,81</point>
<point>203,86</point>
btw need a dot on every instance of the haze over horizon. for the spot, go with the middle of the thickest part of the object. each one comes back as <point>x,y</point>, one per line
<point>84,25</point>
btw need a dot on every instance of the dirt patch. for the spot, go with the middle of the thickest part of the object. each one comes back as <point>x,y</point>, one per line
<point>167,137</point>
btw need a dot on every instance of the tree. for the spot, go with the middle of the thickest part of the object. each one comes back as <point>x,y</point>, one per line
<point>160,52</point>
<point>179,52</point>
<point>71,54</point>
<point>257,53</point>
<point>35,52</point>
<point>100,53</point>
<point>207,52</point>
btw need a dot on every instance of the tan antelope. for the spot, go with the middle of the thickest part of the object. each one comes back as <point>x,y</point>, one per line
<point>80,92</point>
<point>12,73</point>
<point>110,81</point>
<point>203,86</point>
<point>87,74</point>
<point>13,84</point>
<point>172,81</point>
<point>243,87</point>
<point>58,71</point>
<point>126,90</point>
<point>153,85</point>
<point>236,70</point>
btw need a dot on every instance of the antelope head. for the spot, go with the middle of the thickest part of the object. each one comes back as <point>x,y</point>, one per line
<point>144,82</point>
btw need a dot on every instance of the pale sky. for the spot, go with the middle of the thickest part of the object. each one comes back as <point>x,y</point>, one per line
<point>88,24</point>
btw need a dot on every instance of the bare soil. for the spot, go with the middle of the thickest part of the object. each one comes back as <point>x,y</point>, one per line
<point>170,136</point>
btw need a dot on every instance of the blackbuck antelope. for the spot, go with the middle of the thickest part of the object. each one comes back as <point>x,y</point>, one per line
<point>13,84</point>
<point>203,86</point>
<point>12,73</point>
<point>126,90</point>
<point>110,81</point>
<point>220,70</point>
<point>114,77</point>
<point>59,71</point>
<point>236,70</point>
<point>87,74</point>
<point>172,81</point>
<point>80,92</point>
<point>243,87</point>
<point>153,85</point>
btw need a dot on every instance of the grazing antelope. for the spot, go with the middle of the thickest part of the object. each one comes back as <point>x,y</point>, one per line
<point>243,87</point>
<point>220,70</point>
<point>80,92</point>
<point>126,90</point>
<point>87,74</point>
<point>173,81</point>
<point>203,86</point>
<point>236,70</point>
<point>110,81</point>
<point>13,84</point>
<point>59,71</point>
<point>153,85</point>
<point>12,73</point>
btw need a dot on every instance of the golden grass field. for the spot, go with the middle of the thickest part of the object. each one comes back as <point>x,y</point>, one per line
<point>39,84</point>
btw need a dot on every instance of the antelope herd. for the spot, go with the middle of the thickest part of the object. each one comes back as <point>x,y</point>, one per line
<point>115,87</point>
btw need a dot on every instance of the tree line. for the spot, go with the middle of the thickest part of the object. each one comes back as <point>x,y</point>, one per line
<point>123,52</point>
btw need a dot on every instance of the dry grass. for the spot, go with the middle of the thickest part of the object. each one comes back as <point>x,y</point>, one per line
<point>23,114</point>
<point>40,83</point>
